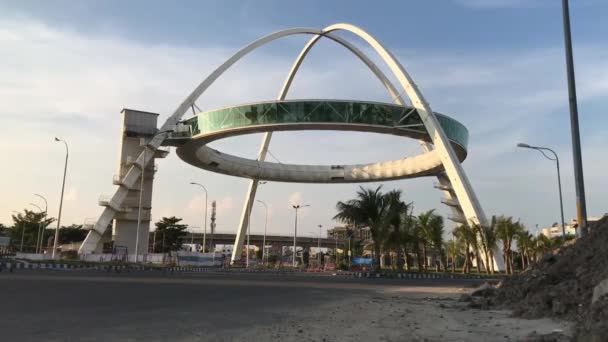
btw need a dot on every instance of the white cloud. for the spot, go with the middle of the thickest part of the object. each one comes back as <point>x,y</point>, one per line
<point>57,82</point>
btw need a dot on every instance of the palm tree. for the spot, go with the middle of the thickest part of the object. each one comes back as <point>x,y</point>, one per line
<point>370,209</point>
<point>452,249</point>
<point>506,231</point>
<point>430,227</point>
<point>489,242</point>
<point>525,242</point>
<point>408,232</point>
<point>468,239</point>
<point>392,231</point>
<point>479,232</point>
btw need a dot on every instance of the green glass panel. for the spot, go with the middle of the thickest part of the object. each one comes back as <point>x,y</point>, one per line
<point>321,111</point>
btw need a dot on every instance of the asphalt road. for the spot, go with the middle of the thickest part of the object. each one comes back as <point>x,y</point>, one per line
<point>98,306</point>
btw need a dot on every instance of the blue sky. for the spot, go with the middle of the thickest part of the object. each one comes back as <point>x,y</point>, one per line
<point>69,67</point>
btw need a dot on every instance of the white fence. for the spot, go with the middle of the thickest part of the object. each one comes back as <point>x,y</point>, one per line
<point>33,256</point>
<point>199,259</point>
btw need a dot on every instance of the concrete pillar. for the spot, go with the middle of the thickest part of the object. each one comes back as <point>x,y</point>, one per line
<point>137,129</point>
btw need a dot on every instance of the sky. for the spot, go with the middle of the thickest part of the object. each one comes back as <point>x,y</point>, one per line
<point>69,67</point>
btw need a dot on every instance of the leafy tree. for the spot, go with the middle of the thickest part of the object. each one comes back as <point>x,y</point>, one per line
<point>525,241</point>
<point>387,217</point>
<point>169,234</point>
<point>395,231</point>
<point>506,231</point>
<point>467,236</point>
<point>73,233</point>
<point>453,249</point>
<point>369,209</point>
<point>27,225</point>
<point>490,240</point>
<point>430,227</point>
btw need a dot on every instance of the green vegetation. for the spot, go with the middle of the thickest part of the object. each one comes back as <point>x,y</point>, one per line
<point>168,235</point>
<point>27,228</point>
<point>400,239</point>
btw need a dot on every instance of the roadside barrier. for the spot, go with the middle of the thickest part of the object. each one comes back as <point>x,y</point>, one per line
<point>12,266</point>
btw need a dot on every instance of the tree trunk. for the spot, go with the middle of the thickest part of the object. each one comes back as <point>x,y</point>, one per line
<point>406,259</point>
<point>398,265</point>
<point>424,256</point>
<point>376,258</point>
<point>418,258</point>
<point>453,263</point>
<point>487,260</point>
<point>478,259</point>
<point>467,260</point>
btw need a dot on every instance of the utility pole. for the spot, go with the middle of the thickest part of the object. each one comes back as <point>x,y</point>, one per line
<point>264,254</point>
<point>46,206</point>
<point>581,204</point>
<point>205,215</point>
<point>319,243</point>
<point>65,170</point>
<point>295,231</point>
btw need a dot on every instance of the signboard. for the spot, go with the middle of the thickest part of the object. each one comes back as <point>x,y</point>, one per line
<point>5,241</point>
<point>362,261</point>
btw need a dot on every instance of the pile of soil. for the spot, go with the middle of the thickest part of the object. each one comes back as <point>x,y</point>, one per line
<point>561,286</point>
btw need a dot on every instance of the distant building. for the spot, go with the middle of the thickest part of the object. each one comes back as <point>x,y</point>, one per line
<point>341,233</point>
<point>556,230</point>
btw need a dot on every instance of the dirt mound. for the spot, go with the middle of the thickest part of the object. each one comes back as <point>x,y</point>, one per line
<point>561,285</point>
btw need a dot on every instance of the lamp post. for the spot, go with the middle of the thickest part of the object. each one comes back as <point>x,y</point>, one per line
<point>205,216</point>
<point>559,182</point>
<point>65,170</point>
<point>581,205</point>
<point>264,256</point>
<point>39,225</point>
<point>319,243</point>
<point>41,233</point>
<point>295,230</point>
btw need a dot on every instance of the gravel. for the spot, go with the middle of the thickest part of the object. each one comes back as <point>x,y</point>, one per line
<point>561,286</point>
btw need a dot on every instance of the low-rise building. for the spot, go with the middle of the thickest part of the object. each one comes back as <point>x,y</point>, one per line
<point>555,230</point>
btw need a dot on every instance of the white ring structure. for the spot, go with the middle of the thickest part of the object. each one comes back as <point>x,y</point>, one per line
<point>456,175</point>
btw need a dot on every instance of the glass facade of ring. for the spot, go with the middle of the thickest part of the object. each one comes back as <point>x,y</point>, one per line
<point>322,111</point>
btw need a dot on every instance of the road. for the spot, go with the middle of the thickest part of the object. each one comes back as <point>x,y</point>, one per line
<point>99,306</point>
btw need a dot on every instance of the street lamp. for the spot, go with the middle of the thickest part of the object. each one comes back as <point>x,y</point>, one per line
<point>319,243</point>
<point>265,228</point>
<point>559,182</point>
<point>39,225</point>
<point>65,170</point>
<point>41,233</point>
<point>295,230</point>
<point>205,216</point>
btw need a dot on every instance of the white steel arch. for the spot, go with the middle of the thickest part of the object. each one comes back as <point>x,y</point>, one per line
<point>455,177</point>
<point>454,171</point>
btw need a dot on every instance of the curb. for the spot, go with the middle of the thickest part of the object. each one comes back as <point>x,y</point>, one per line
<point>414,275</point>
<point>11,266</point>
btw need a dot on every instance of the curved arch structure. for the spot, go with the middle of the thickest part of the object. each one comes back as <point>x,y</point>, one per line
<point>459,184</point>
<point>316,115</point>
